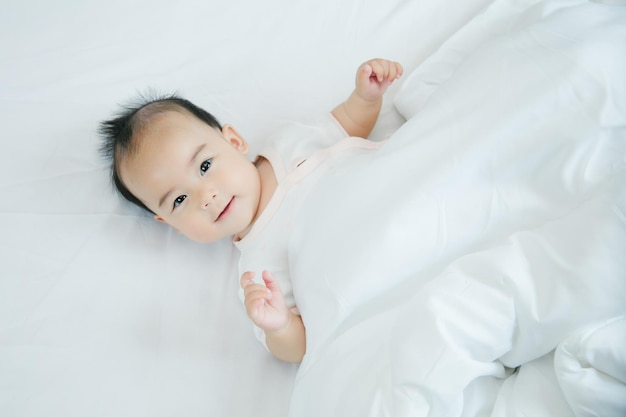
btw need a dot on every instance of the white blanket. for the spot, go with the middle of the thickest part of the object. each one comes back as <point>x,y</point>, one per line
<point>486,231</point>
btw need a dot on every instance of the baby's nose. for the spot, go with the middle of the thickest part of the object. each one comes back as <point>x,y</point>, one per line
<point>208,198</point>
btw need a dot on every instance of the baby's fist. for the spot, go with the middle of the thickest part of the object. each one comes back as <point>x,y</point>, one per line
<point>375,76</point>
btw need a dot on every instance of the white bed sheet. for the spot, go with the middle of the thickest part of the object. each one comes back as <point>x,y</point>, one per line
<point>102,310</point>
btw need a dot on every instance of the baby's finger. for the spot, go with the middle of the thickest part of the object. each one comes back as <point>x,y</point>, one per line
<point>247,278</point>
<point>254,290</point>
<point>254,307</point>
<point>270,282</point>
<point>367,69</point>
<point>393,71</point>
<point>364,73</point>
<point>399,69</point>
<point>378,69</point>
<point>396,70</point>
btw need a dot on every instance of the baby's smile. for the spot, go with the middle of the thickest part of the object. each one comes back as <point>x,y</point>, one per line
<point>224,213</point>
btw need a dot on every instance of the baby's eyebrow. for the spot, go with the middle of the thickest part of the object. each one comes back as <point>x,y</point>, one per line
<point>196,152</point>
<point>193,157</point>
<point>165,197</point>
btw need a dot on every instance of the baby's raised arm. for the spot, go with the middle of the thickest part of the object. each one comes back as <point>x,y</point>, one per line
<point>358,114</point>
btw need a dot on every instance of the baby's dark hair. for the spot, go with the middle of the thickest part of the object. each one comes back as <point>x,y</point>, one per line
<point>119,134</point>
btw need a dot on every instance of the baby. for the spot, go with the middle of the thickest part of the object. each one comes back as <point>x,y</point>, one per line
<point>176,161</point>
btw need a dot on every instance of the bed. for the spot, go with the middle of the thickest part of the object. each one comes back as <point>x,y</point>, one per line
<point>515,303</point>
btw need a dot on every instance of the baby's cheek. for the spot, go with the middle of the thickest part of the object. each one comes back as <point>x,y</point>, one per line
<point>197,233</point>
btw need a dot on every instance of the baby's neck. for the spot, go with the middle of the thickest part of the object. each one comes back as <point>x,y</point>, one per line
<point>268,182</point>
<point>268,186</point>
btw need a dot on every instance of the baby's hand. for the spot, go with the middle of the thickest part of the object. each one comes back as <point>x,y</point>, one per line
<point>265,304</point>
<point>374,77</point>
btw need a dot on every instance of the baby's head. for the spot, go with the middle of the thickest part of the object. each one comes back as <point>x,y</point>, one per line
<point>120,135</point>
<point>174,159</point>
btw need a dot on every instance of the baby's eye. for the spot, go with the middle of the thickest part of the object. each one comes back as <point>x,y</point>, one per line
<point>204,166</point>
<point>179,200</point>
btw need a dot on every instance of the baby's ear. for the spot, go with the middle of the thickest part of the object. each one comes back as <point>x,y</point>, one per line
<point>234,138</point>
<point>162,220</point>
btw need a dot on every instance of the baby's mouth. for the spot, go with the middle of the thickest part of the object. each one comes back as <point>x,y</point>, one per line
<point>226,210</point>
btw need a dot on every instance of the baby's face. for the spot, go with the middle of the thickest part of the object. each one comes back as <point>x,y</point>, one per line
<point>194,177</point>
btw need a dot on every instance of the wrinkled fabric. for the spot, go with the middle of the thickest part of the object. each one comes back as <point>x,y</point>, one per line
<point>485,232</point>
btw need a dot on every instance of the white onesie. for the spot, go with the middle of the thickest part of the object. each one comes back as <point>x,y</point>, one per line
<point>300,154</point>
